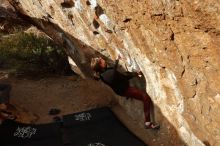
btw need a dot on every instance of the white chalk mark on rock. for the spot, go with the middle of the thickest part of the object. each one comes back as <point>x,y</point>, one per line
<point>78,5</point>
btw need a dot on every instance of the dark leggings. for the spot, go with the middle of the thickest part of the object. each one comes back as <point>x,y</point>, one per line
<point>138,94</point>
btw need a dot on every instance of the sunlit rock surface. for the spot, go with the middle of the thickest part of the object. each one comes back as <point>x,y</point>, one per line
<point>174,42</point>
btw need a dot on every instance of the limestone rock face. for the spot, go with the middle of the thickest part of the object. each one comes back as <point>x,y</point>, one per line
<point>175,43</point>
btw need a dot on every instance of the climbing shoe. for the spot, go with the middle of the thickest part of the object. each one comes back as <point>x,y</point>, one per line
<point>151,125</point>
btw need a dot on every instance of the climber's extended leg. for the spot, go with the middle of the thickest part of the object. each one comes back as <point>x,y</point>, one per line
<point>138,94</point>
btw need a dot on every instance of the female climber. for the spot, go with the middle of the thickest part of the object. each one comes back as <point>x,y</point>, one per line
<point>119,82</point>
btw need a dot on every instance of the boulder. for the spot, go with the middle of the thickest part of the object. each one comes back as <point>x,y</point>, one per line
<point>174,43</point>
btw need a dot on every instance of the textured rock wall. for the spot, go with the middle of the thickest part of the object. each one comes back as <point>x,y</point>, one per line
<point>174,42</point>
<point>9,21</point>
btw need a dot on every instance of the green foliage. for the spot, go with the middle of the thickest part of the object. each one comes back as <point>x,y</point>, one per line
<point>27,53</point>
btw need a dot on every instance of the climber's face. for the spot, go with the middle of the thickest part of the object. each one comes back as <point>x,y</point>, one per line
<point>98,64</point>
<point>102,63</point>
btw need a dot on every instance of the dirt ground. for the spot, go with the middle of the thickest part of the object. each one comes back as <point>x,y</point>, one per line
<point>33,98</point>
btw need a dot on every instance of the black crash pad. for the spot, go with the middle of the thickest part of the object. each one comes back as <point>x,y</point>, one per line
<point>97,127</point>
<point>19,134</point>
